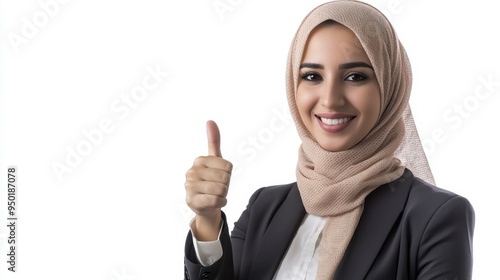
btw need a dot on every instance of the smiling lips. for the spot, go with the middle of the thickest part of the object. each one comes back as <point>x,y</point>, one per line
<point>334,122</point>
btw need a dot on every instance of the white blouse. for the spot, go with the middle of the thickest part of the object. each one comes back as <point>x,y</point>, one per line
<point>300,261</point>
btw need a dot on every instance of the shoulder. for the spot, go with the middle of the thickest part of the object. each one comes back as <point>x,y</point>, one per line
<point>440,224</point>
<point>271,199</point>
<point>420,203</point>
<point>424,197</point>
<point>273,193</point>
<point>428,205</point>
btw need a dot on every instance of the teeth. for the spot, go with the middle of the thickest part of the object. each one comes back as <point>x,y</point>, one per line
<point>335,121</point>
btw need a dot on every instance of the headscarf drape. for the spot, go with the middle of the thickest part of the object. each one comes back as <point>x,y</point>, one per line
<point>335,184</point>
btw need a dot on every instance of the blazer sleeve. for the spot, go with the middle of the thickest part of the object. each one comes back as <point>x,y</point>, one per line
<point>232,249</point>
<point>445,250</point>
<point>220,270</point>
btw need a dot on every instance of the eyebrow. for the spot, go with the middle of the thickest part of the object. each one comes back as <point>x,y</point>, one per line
<point>341,66</point>
<point>354,64</point>
<point>311,65</point>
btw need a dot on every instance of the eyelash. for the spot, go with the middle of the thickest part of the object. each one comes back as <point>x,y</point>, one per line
<point>308,74</point>
<point>361,77</point>
<point>318,77</point>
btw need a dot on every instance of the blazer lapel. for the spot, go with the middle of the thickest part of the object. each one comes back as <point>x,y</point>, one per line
<point>278,236</point>
<point>381,210</point>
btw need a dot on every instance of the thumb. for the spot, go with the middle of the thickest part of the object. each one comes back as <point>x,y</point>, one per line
<point>213,136</point>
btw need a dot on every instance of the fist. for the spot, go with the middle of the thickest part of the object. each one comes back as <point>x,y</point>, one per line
<point>207,181</point>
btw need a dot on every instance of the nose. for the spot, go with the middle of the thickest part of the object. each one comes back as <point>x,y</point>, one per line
<point>332,94</point>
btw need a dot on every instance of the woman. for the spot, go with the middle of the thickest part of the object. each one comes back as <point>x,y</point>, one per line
<point>363,206</point>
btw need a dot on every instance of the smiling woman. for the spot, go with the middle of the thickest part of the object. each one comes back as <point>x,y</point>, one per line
<point>364,204</point>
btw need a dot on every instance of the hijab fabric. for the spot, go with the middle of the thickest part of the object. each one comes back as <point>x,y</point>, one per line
<point>334,184</point>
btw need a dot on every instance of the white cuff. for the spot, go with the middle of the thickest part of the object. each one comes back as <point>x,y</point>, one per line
<point>207,252</point>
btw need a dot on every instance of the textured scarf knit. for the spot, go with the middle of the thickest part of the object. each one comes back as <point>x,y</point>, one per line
<point>334,184</point>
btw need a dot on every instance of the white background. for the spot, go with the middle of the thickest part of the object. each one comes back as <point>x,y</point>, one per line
<point>119,211</point>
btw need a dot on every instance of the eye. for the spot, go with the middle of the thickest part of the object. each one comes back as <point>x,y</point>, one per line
<point>311,76</point>
<point>356,77</point>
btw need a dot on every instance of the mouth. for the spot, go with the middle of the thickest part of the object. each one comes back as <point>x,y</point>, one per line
<point>334,119</point>
<point>334,122</point>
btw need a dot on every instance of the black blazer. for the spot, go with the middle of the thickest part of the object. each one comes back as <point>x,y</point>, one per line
<point>408,230</point>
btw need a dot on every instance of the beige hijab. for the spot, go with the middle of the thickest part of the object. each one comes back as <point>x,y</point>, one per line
<point>335,184</point>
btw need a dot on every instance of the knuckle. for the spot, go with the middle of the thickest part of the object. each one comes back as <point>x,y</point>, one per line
<point>188,185</point>
<point>215,188</point>
<point>225,177</point>
<point>222,202</point>
<point>199,161</point>
<point>219,189</point>
<point>196,203</point>
<point>189,201</point>
<point>223,190</point>
<point>190,173</point>
<point>207,201</point>
<point>229,166</point>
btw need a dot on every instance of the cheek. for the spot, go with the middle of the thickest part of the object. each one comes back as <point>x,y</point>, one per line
<point>370,105</point>
<point>305,101</point>
<point>303,105</point>
<point>375,103</point>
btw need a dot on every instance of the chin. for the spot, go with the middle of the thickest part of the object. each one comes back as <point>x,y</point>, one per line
<point>332,148</point>
<point>334,145</point>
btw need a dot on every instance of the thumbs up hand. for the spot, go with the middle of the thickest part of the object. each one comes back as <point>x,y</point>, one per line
<point>207,183</point>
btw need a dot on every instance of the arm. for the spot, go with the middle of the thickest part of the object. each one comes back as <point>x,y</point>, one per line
<point>229,265</point>
<point>445,250</point>
<point>220,270</point>
<point>207,183</point>
<point>207,252</point>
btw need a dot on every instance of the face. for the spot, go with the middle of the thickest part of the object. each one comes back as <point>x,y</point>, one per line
<point>338,95</point>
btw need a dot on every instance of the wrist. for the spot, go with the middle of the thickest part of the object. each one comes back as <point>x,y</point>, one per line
<point>206,228</point>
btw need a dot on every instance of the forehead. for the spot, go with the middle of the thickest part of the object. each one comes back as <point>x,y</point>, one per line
<point>333,40</point>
